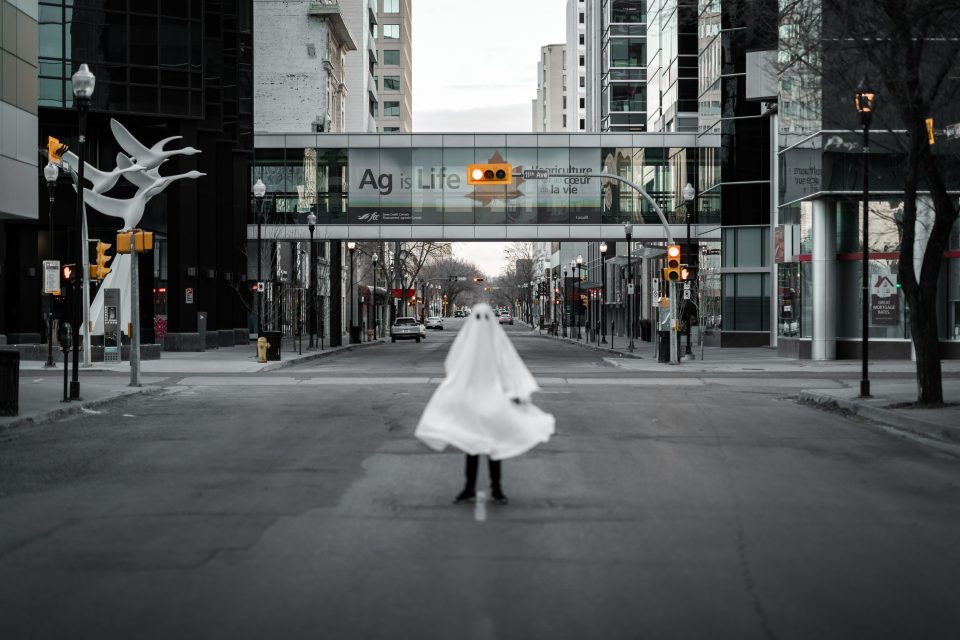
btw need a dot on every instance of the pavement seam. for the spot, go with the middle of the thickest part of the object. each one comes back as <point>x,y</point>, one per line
<point>884,416</point>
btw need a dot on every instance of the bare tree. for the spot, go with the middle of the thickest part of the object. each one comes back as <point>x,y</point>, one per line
<point>911,50</point>
<point>455,276</point>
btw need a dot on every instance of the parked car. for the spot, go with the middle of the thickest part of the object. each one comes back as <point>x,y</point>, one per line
<point>505,317</point>
<point>434,322</point>
<point>405,329</point>
<point>458,313</point>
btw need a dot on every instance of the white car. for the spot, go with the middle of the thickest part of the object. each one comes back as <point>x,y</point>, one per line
<point>405,329</point>
<point>505,317</point>
<point>434,322</point>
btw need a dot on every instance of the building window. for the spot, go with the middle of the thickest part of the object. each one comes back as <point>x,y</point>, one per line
<point>583,81</point>
<point>582,124</point>
<point>391,56</point>
<point>391,32</point>
<point>391,109</point>
<point>581,61</point>
<point>391,129</point>
<point>583,103</point>
<point>391,83</point>
<point>582,39</point>
<point>581,18</point>
<point>391,6</point>
<point>564,121</point>
<point>373,108</point>
<point>564,102</point>
<point>376,85</point>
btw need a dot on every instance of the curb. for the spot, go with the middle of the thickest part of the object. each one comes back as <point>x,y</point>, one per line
<point>884,416</point>
<point>586,345</point>
<point>318,355</point>
<point>74,408</point>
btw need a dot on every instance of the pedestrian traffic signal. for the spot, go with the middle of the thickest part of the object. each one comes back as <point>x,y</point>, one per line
<point>100,270</point>
<point>685,274</point>
<point>490,173</point>
<point>672,272</point>
<point>55,150</point>
<point>66,275</point>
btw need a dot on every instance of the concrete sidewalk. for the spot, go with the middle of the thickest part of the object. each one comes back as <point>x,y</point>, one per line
<point>890,403</point>
<point>41,389</point>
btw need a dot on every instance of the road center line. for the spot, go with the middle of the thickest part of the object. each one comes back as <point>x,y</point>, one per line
<point>480,507</point>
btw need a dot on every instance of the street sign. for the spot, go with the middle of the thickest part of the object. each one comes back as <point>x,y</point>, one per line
<point>686,294</point>
<point>188,295</point>
<point>686,286</point>
<point>51,276</point>
<point>452,278</point>
<point>535,174</point>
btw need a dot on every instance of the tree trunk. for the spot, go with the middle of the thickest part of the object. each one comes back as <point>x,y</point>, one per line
<point>926,341</point>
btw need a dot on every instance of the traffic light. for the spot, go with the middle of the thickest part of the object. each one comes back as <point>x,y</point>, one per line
<point>478,278</point>
<point>672,272</point>
<point>100,270</point>
<point>67,272</point>
<point>490,173</point>
<point>55,150</point>
<point>929,123</point>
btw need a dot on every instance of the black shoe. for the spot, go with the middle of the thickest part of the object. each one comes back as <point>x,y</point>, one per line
<point>497,497</point>
<point>467,495</point>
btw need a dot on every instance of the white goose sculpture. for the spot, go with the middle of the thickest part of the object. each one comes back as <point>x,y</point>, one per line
<point>149,158</point>
<point>102,181</point>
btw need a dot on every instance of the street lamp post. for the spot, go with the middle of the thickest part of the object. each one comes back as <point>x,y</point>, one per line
<point>563,302</point>
<point>376,318</point>
<point>689,196</point>
<point>351,247</point>
<point>311,308</point>
<point>83,84</point>
<point>579,304</point>
<point>50,173</point>
<point>603,292</point>
<point>628,230</point>
<point>865,101</point>
<point>259,190</point>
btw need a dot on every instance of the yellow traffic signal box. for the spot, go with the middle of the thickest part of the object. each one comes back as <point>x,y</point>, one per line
<point>673,271</point>
<point>144,241</point>
<point>55,150</point>
<point>100,270</point>
<point>492,173</point>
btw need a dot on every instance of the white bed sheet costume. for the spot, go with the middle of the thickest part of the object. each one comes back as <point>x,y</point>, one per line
<point>483,405</point>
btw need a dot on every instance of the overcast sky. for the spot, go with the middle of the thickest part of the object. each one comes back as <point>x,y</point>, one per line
<point>475,69</point>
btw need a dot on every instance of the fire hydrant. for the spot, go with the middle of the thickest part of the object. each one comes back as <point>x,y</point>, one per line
<point>262,346</point>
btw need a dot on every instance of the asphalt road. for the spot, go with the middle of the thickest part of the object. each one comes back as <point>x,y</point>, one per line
<point>297,504</point>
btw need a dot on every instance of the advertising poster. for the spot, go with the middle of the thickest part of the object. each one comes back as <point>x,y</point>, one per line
<point>884,301</point>
<point>429,186</point>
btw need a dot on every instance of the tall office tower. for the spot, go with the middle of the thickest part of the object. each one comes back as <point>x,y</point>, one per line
<point>300,50</point>
<point>162,69</point>
<point>734,184</point>
<point>363,102</point>
<point>623,57</point>
<point>19,249</point>
<point>395,66</point>
<point>576,69</point>
<point>614,63</point>
<point>551,104</point>
<point>672,51</point>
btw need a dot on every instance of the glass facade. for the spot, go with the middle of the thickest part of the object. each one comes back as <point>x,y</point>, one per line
<point>623,68</point>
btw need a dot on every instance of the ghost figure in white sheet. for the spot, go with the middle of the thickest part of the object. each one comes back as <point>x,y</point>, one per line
<point>483,405</point>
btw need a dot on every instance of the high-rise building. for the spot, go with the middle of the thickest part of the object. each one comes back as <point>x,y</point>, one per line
<point>299,77</point>
<point>18,168</point>
<point>550,105</point>
<point>575,79</point>
<point>672,65</point>
<point>395,66</point>
<point>162,69</point>
<point>363,102</point>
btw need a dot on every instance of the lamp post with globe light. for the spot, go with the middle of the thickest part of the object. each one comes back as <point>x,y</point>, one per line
<point>354,332</point>
<point>50,174</point>
<point>628,231</point>
<point>603,292</point>
<point>311,308</point>
<point>578,263</point>
<point>259,190</point>
<point>689,196</point>
<point>83,84</point>
<point>374,259</point>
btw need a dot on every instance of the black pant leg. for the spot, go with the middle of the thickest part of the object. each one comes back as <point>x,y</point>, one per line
<point>493,467</point>
<point>471,471</point>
